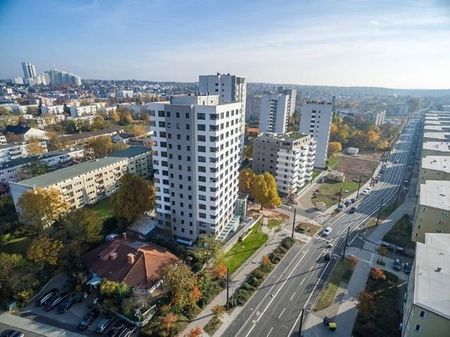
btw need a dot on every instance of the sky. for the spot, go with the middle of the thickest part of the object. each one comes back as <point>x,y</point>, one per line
<point>383,43</point>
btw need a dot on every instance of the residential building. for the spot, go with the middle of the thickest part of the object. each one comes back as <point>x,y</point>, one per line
<point>121,94</point>
<point>432,211</point>
<point>315,120</point>
<point>14,151</point>
<point>86,183</point>
<point>53,109</point>
<point>83,110</point>
<point>292,93</point>
<point>376,117</point>
<point>288,157</point>
<point>436,136</point>
<point>196,161</point>
<point>29,70</point>
<point>274,113</point>
<point>136,263</point>
<point>26,132</point>
<point>253,108</point>
<point>434,168</point>
<point>427,302</point>
<point>3,140</point>
<point>60,78</point>
<point>435,149</point>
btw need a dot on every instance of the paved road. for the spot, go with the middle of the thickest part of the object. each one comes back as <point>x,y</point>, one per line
<point>27,334</point>
<point>275,308</point>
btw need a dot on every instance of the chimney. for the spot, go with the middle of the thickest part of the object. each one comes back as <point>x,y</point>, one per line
<point>131,258</point>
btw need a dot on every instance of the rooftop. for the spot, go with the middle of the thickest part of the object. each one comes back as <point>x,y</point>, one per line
<point>289,136</point>
<point>437,146</point>
<point>436,194</point>
<point>432,274</point>
<point>130,152</point>
<point>436,135</point>
<point>441,128</point>
<point>437,163</point>
<point>26,160</point>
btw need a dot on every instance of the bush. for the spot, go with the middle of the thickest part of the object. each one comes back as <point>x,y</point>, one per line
<point>287,243</point>
<point>258,273</point>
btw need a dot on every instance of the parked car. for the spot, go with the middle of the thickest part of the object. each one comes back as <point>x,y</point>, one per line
<point>327,256</point>
<point>44,298</point>
<point>347,203</point>
<point>11,333</point>
<point>326,231</point>
<point>353,200</point>
<point>397,265</point>
<point>322,180</point>
<point>127,332</point>
<point>366,191</point>
<point>67,303</point>
<point>340,207</point>
<point>54,301</point>
<point>407,268</point>
<point>352,210</point>
<point>103,324</point>
<point>111,237</point>
<point>88,319</point>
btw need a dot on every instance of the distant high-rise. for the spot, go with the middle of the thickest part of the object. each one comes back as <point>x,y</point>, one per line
<point>253,108</point>
<point>315,120</point>
<point>60,78</point>
<point>292,98</point>
<point>274,113</point>
<point>29,70</point>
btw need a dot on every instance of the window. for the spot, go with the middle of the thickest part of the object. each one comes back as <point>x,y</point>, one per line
<point>422,314</point>
<point>201,116</point>
<point>201,138</point>
<point>201,127</point>
<point>417,327</point>
<point>201,148</point>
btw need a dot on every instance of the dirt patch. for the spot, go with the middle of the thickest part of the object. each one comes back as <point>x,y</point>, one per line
<point>363,165</point>
<point>307,228</point>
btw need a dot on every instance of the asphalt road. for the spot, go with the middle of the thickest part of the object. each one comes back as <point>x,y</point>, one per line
<point>275,308</point>
<point>26,333</point>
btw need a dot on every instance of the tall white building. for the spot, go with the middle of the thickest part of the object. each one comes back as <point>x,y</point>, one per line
<point>315,120</point>
<point>61,78</point>
<point>274,113</point>
<point>292,98</point>
<point>29,70</point>
<point>196,160</point>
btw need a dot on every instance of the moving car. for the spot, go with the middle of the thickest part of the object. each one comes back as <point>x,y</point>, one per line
<point>352,210</point>
<point>397,265</point>
<point>111,237</point>
<point>103,324</point>
<point>11,333</point>
<point>54,301</point>
<point>407,268</point>
<point>88,319</point>
<point>47,296</point>
<point>326,231</point>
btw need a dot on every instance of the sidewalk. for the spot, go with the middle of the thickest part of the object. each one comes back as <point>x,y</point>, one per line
<point>235,282</point>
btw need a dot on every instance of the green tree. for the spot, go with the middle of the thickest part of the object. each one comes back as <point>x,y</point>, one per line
<point>41,207</point>
<point>179,281</point>
<point>99,123</point>
<point>84,225</point>
<point>207,248</point>
<point>114,289</point>
<point>44,250</point>
<point>127,203</point>
<point>101,146</point>
<point>70,126</point>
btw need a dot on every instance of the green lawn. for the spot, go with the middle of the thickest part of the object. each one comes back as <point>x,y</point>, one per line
<point>241,251</point>
<point>274,223</point>
<point>333,160</point>
<point>400,233</point>
<point>329,192</point>
<point>17,246</point>
<point>342,272</point>
<point>103,208</point>
<point>315,173</point>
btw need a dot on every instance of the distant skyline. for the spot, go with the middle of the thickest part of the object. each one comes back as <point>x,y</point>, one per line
<point>383,43</point>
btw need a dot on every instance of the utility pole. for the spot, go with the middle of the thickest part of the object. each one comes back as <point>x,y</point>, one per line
<point>301,323</point>
<point>346,241</point>
<point>379,212</point>
<point>228,290</point>
<point>293,222</point>
<point>340,196</point>
<point>359,186</point>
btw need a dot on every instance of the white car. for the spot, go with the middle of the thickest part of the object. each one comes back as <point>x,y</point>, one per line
<point>326,231</point>
<point>366,192</point>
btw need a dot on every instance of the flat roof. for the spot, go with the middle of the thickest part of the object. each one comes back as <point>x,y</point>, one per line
<point>289,136</point>
<point>437,163</point>
<point>437,146</point>
<point>436,135</point>
<point>131,151</point>
<point>26,160</point>
<point>432,274</point>
<point>436,194</point>
<point>441,128</point>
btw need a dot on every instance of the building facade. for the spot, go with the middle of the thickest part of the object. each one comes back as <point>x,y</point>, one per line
<point>315,120</point>
<point>196,161</point>
<point>274,113</point>
<point>288,157</point>
<point>29,70</point>
<point>10,152</point>
<point>292,93</point>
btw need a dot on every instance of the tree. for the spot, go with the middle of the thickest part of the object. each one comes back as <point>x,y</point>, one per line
<point>248,151</point>
<point>196,332</point>
<point>334,147</point>
<point>70,126</point>
<point>55,142</point>
<point>101,146</point>
<point>113,289</point>
<point>265,191</point>
<point>218,311</point>
<point>84,225</point>
<point>168,321</point>
<point>207,247</point>
<point>44,250</point>
<point>195,295</point>
<point>220,270</point>
<point>114,116</point>
<point>366,302</point>
<point>246,177</point>
<point>35,168</point>
<point>137,130</point>
<point>377,273</point>
<point>129,205</point>
<point>179,281</point>
<point>98,123</point>
<point>34,147</point>
<point>41,207</point>
<point>265,260</point>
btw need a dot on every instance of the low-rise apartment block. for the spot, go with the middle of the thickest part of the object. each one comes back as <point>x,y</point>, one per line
<point>88,182</point>
<point>10,152</point>
<point>436,136</point>
<point>432,211</point>
<point>288,157</point>
<point>435,149</point>
<point>434,168</point>
<point>427,304</point>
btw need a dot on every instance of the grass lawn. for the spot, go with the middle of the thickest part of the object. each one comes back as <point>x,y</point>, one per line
<point>400,233</point>
<point>342,272</point>
<point>274,223</point>
<point>333,160</point>
<point>315,173</point>
<point>384,318</point>
<point>17,246</point>
<point>103,208</point>
<point>241,251</point>
<point>329,192</point>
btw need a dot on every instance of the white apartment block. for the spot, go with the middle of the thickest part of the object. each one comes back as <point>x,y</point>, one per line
<point>53,109</point>
<point>376,117</point>
<point>274,113</point>
<point>86,183</point>
<point>253,108</point>
<point>435,149</point>
<point>196,161</point>
<point>426,311</point>
<point>315,120</point>
<point>288,157</point>
<point>15,151</point>
<point>121,94</point>
<point>292,98</point>
<point>83,110</point>
<point>3,140</point>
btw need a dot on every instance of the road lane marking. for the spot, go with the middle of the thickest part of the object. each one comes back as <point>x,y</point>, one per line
<point>295,292</point>
<point>270,331</point>
<point>282,311</point>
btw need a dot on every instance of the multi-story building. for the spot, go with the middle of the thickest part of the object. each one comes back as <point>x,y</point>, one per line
<point>274,113</point>
<point>196,160</point>
<point>434,168</point>
<point>60,78</point>
<point>432,211</point>
<point>288,157</point>
<point>3,140</point>
<point>83,110</point>
<point>292,98</point>
<point>253,108</point>
<point>14,151</point>
<point>315,120</point>
<point>88,182</point>
<point>29,70</point>
<point>426,309</point>
<point>53,109</point>
<point>434,136</point>
<point>121,94</point>
<point>435,149</point>
<point>376,117</point>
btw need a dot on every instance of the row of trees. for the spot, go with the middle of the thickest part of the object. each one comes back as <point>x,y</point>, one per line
<point>262,188</point>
